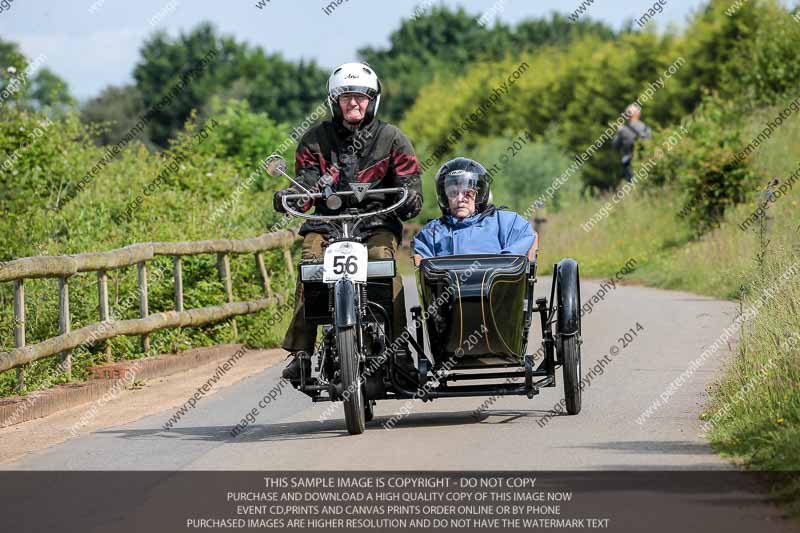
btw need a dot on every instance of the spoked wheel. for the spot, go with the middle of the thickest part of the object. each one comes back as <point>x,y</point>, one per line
<point>354,403</point>
<point>569,332</point>
<point>369,410</point>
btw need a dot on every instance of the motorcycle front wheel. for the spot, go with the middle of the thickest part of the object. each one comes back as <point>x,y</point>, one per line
<point>353,389</point>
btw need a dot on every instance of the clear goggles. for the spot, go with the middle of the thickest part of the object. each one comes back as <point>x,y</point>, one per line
<point>461,185</point>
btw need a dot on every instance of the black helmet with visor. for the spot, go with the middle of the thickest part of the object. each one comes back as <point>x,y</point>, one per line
<point>462,176</point>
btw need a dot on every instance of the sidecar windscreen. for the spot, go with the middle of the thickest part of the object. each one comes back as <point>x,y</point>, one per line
<point>475,306</point>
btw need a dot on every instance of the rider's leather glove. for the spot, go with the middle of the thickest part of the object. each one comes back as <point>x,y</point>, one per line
<point>277,200</point>
<point>411,207</point>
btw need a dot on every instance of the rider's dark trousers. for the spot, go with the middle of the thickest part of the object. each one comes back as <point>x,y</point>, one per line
<point>381,245</point>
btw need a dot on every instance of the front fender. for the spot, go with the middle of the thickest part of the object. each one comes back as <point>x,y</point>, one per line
<point>569,298</point>
<point>344,297</point>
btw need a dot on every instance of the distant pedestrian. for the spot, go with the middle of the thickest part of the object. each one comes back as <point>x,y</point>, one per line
<point>626,137</point>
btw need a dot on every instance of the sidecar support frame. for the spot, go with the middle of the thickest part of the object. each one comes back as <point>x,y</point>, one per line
<point>533,378</point>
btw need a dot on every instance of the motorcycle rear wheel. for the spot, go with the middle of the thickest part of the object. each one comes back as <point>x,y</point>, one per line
<point>353,386</point>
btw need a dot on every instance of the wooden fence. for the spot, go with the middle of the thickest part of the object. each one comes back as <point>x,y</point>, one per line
<point>63,267</point>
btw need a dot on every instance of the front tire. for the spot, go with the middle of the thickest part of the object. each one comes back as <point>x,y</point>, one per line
<point>571,357</point>
<point>352,384</point>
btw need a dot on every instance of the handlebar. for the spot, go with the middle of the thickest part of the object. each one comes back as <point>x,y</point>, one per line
<point>354,216</point>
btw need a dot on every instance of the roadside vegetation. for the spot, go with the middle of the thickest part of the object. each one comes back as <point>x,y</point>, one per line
<point>706,220</point>
<point>754,415</point>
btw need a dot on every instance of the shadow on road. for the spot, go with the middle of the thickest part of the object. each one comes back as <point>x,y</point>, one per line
<point>652,446</point>
<point>325,429</point>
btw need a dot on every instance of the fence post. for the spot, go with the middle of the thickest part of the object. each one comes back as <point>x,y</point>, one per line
<point>177,274</point>
<point>224,266</point>
<point>19,326</point>
<point>264,275</point>
<point>287,255</point>
<point>144,308</point>
<point>64,323</point>
<point>102,296</point>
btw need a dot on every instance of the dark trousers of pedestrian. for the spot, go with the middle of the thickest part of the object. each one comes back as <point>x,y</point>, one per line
<point>627,170</point>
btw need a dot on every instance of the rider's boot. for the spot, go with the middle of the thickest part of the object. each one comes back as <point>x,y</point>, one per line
<point>292,370</point>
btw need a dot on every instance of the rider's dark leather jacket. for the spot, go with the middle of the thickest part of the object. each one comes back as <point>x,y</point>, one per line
<point>378,154</point>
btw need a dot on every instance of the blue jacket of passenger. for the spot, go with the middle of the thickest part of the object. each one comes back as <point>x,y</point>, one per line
<point>491,232</point>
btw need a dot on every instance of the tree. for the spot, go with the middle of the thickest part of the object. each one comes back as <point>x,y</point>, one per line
<point>28,85</point>
<point>534,33</point>
<point>442,42</point>
<point>116,110</point>
<point>283,90</point>
<point>48,90</point>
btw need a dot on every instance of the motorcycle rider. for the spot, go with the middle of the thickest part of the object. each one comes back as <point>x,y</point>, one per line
<point>353,147</point>
<point>470,224</point>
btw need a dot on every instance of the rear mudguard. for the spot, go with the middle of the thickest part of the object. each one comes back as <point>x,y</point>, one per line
<point>569,298</point>
<point>345,303</point>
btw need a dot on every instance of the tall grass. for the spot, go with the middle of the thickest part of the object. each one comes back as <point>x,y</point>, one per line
<point>641,227</point>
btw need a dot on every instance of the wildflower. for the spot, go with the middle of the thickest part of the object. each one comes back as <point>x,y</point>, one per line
<point>11,70</point>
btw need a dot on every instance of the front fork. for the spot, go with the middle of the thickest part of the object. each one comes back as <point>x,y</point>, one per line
<point>349,301</point>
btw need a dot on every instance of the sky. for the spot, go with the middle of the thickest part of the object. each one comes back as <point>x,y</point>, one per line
<point>95,43</point>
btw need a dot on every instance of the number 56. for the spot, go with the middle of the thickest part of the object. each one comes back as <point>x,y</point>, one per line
<point>349,265</point>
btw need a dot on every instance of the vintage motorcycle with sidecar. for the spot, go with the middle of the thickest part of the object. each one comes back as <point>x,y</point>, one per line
<point>476,310</point>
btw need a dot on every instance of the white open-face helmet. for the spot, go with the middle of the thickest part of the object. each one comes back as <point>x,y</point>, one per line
<point>354,78</point>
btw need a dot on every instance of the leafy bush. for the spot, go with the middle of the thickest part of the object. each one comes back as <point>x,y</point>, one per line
<point>764,66</point>
<point>115,111</point>
<point>705,167</point>
<point>577,90</point>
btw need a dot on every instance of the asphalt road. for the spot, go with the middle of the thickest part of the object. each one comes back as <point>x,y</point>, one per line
<point>511,433</point>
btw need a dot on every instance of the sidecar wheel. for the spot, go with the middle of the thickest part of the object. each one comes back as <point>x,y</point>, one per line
<point>354,408</point>
<point>571,355</point>
<point>568,329</point>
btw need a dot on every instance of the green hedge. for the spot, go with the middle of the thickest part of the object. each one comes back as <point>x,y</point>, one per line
<point>207,185</point>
